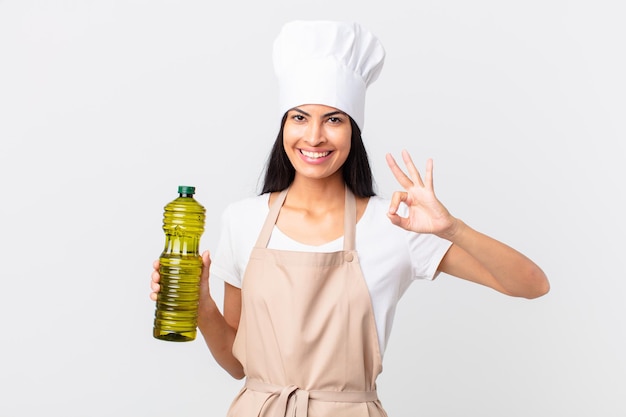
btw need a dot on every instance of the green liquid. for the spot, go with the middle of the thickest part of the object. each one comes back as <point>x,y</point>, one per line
<point>176,316</point>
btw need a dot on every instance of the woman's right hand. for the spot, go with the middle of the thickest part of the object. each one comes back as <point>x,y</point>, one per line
<point>205,294</point>
<point>218,334</point>
<point>204,278</point>
<point>154,282</point>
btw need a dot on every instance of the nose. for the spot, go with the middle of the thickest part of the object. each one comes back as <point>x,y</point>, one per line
<point>314,135</point>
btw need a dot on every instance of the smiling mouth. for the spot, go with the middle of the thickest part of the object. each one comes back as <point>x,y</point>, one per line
<point>314,155</point>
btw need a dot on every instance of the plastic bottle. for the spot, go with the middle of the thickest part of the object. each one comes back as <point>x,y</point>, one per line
<point>180,266</point>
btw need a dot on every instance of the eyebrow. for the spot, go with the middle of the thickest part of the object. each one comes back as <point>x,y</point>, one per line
<point>332,113</point>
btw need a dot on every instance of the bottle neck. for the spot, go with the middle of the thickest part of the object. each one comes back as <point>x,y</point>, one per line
<point>185,195</point>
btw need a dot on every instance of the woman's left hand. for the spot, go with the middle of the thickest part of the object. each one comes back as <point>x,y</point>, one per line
<point>426,214</point>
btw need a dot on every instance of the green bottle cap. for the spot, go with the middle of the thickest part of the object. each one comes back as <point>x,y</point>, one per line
<point>185,189</point>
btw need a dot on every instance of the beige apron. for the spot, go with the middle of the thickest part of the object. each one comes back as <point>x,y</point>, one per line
<point>307,338</point>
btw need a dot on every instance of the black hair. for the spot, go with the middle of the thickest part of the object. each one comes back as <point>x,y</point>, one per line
<point>357,173</point>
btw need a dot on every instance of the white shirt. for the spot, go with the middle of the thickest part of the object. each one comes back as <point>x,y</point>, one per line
<point>390,257</point>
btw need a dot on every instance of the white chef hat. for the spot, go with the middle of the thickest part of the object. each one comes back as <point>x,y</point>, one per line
<point>325,62</point>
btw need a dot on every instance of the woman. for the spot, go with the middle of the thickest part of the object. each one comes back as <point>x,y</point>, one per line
<point>314,266</point>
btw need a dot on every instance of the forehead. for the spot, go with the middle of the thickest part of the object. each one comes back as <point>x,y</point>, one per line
<point>316,109</point>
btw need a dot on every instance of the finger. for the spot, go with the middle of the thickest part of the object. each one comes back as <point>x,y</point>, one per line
<point>403,180</point>
<point>206,264</point>
<point>398,220</point>
<point>156,264</point>
<point>205,290</point>
<point>155,288</point>
<point>397,198</point>
<point>413,172</point>
<point>155,276</point>
<point>206,260</point>
<point>395,219</point>
<point>428,177</point>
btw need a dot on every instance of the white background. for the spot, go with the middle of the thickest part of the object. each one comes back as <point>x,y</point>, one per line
<point>107,106</point>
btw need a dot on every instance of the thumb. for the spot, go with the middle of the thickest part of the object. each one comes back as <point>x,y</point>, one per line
<point>206,264</point>
<point>204,274</point>
<point>206,259</point>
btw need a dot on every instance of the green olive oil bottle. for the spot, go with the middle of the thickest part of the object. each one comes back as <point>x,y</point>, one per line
<point>176,313</point>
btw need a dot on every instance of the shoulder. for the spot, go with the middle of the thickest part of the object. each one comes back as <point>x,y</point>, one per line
<point>246,207</point>
<point>246,214</point>
<point>241,222</point>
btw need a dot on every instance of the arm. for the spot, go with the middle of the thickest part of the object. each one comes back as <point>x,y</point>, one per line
<point>473,256</point>
<point>218,330</point>
<point>483,260</point>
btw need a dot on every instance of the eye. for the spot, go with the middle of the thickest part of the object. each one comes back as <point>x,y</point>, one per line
<point>335,119</point>
<point>297,117</point>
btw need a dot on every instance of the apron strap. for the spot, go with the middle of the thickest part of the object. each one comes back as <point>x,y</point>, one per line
<point>349,221</point>
<point>270,220</point>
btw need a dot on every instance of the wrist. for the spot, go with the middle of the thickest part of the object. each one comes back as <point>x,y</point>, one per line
<point>454,231</point>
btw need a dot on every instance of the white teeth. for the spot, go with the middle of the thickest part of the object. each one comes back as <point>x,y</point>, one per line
<point>314,154</point>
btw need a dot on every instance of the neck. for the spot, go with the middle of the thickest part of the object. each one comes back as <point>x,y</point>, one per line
<point>308,192</point>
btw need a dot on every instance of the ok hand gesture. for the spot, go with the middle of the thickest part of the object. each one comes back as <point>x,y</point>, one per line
<point>426,214</point>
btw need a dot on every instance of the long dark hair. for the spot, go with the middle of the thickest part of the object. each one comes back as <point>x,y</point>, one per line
<point>357,173</point>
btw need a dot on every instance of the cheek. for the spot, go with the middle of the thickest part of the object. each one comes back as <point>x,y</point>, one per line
<point>343,140</point>
<point>292,132</point>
